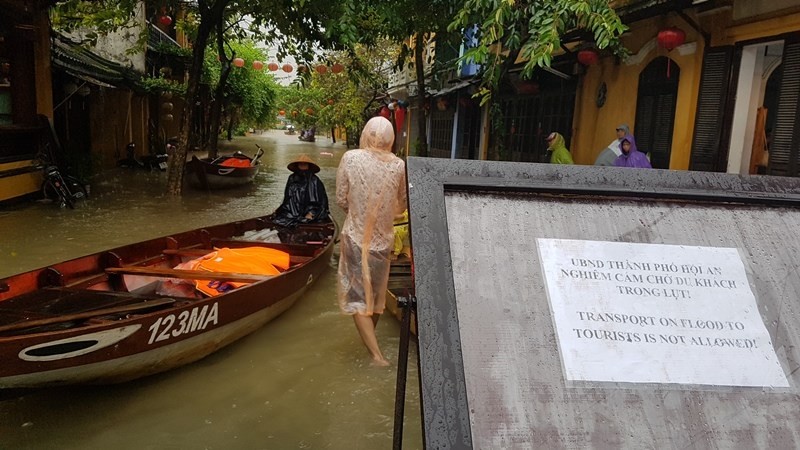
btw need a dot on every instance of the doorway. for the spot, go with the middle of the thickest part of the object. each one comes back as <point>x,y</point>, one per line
<point>655,110</point>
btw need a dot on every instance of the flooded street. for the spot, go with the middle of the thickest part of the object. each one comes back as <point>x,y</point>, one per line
<point>302,381</point>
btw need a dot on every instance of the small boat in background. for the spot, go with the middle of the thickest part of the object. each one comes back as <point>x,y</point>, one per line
<point>155,305</point>
<point>224,171</point>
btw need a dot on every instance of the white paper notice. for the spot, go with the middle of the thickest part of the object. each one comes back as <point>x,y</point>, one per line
<point>651,313</point>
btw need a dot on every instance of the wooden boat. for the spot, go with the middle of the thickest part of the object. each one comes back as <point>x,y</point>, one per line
<point>218,173</point>
<point>97,319</point>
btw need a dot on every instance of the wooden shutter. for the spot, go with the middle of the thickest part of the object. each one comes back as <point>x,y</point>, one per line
<point>715,87</point>
<point>663,121</point>
<point>783,152</point>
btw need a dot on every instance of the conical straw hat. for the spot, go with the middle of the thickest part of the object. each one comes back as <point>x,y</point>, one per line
<point>312,166</point>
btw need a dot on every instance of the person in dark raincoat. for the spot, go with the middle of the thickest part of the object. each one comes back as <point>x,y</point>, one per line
<point>631,156</point>
<point>304,199</point>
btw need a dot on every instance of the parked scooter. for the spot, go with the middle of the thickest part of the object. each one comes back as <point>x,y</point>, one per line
<point>289,129</point>
<point>156,161</point>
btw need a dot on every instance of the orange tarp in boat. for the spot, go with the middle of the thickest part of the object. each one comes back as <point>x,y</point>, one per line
<point>249,260</point>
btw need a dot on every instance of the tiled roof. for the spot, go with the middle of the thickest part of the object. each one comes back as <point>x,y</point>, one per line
<point>81,62</point>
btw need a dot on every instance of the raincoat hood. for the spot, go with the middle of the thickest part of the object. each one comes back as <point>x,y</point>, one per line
<point>557,142</point>
<point>634,158</point>
<point>377,135</point>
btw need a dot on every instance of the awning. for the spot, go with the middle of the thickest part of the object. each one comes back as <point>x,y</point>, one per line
<point>455,87</point>
<point>80,62</point>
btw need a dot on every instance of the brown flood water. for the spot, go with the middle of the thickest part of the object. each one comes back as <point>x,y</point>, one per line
<point>303,381</point>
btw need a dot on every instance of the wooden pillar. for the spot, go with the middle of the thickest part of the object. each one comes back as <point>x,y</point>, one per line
<point>23,70</point>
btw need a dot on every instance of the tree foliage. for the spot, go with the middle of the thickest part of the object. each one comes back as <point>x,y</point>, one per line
<point>532,31</point>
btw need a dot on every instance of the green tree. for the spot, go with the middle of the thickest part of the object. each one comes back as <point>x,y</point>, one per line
<point>532,30</point>
<point>298,28</point>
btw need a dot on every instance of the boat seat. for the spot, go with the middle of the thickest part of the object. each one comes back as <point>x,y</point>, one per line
<point>63,301</point>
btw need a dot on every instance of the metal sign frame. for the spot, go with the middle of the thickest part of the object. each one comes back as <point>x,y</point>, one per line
<point>445,408</point>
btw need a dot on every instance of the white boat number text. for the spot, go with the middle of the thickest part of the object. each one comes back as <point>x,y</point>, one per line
<point>187,322</point>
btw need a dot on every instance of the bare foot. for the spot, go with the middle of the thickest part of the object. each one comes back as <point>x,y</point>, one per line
<point>383,362</point>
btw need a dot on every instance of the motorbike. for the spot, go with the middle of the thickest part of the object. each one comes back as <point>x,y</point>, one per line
<point>66,190</point>
<point>157,161</point>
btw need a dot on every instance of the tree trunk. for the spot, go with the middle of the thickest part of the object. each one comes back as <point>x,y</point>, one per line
<point>219,92</point>
<point>422,119</point>
<point>210,13</point>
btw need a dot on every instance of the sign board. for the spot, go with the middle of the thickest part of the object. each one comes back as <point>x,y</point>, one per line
<point>586,307</point>
<point>655,313</point>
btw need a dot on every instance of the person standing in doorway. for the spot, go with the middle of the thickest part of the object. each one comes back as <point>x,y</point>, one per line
<point>556,145</point>
<point>371,189</point>
<point>610,153</point>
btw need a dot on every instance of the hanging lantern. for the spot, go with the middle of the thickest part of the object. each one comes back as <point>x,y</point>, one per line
<point>337,68</point>
<point>322,69</point>
<point>588,56</point>
<point>238,62</point>
<point>294,113</point>
<point>399,117</point>
<point>168,117</point>
<point>273,67</point>
<point>670,38</point>
<point>167,106</point>
<point>165,20</point>
<point>330,101</point>
<point>302,68</point>
<point>282,112</point>
<point>310,111</point>
<point>258,65</point>
<point>287,68</point>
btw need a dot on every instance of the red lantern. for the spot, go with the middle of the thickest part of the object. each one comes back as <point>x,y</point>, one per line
<point>272,67</point>
<point>258,65</point>
<point>399,117</point>
<point>282,112</point>
<point>385,112</point>
<point>165,20</point>
<point>238,62</point>
<point>670,38</point>
<point>287,68</point>
<point>294,113</point>
<point>588,57</point>
<point>310,111</point>
<point>330,101</point>
<point>337,68</point>
<point>302,68</point>
<point>322,69</point>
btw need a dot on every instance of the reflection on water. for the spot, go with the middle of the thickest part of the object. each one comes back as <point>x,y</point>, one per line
<point>303,381</point>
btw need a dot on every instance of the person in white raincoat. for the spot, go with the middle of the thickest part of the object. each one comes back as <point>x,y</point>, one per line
<point>371,188</point>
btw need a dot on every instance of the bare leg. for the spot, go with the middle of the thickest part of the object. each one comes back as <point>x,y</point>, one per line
<point>366,328</point>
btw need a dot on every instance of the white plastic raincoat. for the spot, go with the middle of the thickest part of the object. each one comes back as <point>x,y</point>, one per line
<point>371,188</point>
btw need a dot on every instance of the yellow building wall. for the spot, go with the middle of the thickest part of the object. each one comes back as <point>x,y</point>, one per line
<point>595,128</point>
<point>21,184</point>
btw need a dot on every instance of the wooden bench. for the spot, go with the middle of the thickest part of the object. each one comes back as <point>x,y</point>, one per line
<point>187,274</point>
